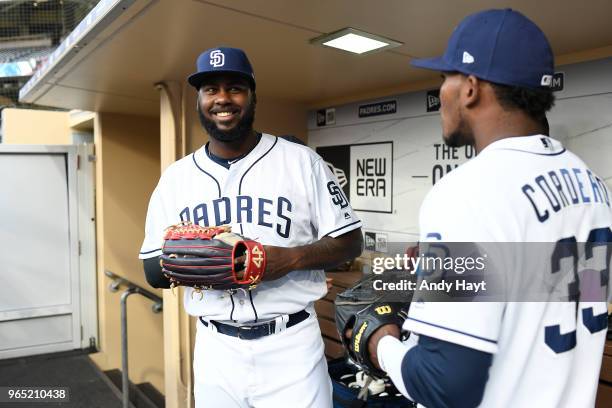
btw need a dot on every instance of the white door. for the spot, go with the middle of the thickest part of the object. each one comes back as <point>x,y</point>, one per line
<point>40,289</point>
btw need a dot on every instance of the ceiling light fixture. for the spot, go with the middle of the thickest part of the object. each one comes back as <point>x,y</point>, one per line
<point>355,41</point>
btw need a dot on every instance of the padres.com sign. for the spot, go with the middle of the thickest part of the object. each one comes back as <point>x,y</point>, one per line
<point>365,173</point>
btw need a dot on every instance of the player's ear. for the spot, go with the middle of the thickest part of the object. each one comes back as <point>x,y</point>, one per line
<point>471,91</point>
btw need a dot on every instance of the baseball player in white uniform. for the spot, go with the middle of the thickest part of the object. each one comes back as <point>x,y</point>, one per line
<point>263,347</point>
<point>521,187</point>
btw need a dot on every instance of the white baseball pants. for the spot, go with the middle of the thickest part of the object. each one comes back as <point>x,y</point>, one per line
<point>286,369</point>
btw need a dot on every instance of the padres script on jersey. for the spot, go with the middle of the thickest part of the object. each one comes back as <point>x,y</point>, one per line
<point>522,189</point>
<point>280,194</point>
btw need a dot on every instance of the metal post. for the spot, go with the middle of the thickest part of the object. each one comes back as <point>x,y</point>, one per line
<point>125,379</point>
<point>157,307</point>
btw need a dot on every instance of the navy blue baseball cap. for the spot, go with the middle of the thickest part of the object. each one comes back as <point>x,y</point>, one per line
<point>222,59</point>
<point>500,46</point>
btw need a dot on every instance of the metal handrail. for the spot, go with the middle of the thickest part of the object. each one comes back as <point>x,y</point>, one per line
<point>157,307</point>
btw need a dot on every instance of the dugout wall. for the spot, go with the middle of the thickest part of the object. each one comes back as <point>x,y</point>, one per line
<point>390,150</point>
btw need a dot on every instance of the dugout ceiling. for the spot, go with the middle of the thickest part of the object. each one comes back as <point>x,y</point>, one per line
<point>136,43</point>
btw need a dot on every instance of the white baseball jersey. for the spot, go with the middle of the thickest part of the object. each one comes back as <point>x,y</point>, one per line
<point>281,194</point>
<point>522,189</point>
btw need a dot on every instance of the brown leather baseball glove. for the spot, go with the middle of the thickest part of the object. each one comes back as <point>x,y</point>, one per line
<point>211,258</point>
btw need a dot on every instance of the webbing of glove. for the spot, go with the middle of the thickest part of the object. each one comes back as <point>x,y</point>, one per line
<point>189,230</point>
<point>367,321</point>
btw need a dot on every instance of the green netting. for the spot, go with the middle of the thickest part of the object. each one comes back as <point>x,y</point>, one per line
<point>29,31</point>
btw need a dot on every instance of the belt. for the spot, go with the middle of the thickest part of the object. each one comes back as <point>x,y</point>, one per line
<point>255,331</point>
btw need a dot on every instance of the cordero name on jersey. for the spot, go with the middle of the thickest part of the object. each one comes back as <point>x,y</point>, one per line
<point>562,188</point>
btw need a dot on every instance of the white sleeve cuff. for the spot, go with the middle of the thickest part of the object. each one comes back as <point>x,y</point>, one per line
<point>150,254</point>
<point>343,230</point>
<point>391,353</point>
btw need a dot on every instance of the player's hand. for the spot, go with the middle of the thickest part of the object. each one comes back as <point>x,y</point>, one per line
<point>382,331</point>
<point>280,261</point>
<point>386,330</point>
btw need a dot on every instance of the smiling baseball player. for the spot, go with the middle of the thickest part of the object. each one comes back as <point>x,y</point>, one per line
<point>259,347</point>
<point>522,187</point>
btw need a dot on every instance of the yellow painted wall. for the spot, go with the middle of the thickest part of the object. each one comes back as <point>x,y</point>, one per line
<point>32,126</point>
<point>127,170</point>
<point>281,118</point>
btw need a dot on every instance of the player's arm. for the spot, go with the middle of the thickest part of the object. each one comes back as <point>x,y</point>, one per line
<point>434,372</point>
<point>322,254</point>
<point>153,273</point>
<point>156,222</point>
<point>325,253</point>
<point>338,229</point>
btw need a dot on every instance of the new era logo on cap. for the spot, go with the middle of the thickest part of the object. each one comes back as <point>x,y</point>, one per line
<point>217,58</point>
<point>467,58</point>
<point>546,80</point>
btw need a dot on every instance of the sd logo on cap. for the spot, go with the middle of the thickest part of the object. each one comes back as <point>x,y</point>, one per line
<point>222,59</point>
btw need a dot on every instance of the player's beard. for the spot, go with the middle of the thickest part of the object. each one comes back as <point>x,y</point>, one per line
<point>462,135</point>
<point>240,131</point>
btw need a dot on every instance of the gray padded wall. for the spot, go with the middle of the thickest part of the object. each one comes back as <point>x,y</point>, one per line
<point>582,119</point>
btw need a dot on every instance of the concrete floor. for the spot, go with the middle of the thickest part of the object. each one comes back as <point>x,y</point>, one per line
<point>88,386</point>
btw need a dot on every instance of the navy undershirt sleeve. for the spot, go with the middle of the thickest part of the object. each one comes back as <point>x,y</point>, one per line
<point>154,274</point>
<point>440,374</point>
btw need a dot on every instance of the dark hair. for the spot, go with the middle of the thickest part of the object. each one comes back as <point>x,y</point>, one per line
<point>534,102</point>
<point>545,125</point>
